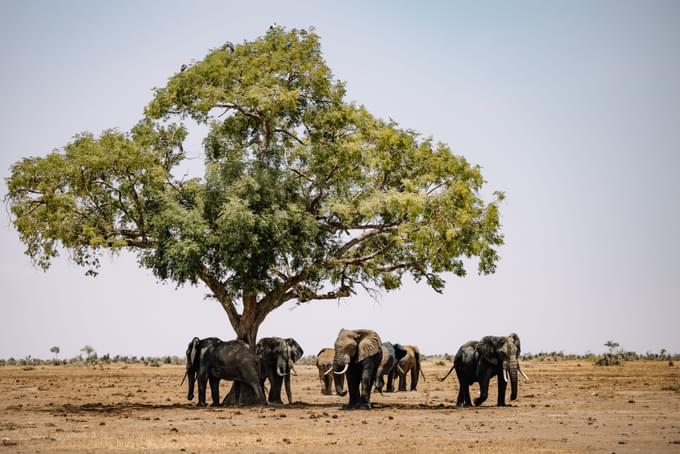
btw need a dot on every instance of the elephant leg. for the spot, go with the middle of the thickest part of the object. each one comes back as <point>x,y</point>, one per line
<point>257,390</point>
<point>353,384</point>
<point>215,391</point>
<point>414,378</point>
<point>402,381</point>
<point>289,394</point>
<point>275,390</point>
<point>379,381</point>
<point>328,384</point>
<point>502,385</point>
<point>483,391</point>
<point>467,397</point>
<point>367,377</point>
<point>390,382</point>
<point>460,400</point>
<point>202,382</point>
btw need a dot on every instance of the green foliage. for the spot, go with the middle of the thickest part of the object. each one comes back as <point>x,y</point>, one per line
<point>306,196</point>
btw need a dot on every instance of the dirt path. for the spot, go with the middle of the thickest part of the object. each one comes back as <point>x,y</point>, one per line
<point>568,406</point>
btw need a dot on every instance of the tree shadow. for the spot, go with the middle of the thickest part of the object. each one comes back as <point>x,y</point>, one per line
<point>130,407</point>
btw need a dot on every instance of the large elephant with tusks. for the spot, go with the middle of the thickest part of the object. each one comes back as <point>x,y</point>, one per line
<point>357,356</point>
<point>480,361</point>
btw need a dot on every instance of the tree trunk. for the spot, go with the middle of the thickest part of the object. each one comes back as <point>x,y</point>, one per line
<point>241,394</point>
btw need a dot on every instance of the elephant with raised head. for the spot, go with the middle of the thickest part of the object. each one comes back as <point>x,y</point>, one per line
<point>277,361</point>
<point>324,363</point>
<point>357,355</point>
<point>479,361</point>
<point>212,360</point>
<point>410,362</point>
<point>392,354</point>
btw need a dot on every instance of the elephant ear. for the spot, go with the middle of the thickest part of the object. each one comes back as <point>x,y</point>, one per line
<point>263,347</point>
<point>515,339</point>
<point>486,350</point>
<point>194,350</point>
<point>369,344</point>
<point>399,351</point>
<point>295,350</point>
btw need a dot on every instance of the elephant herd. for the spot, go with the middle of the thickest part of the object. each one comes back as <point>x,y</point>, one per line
<point>358,356</point>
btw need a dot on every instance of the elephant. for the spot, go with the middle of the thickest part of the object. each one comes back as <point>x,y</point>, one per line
<point>479,361</point>
<point>358,354</point>
<point>392,354</point>
<point>277,361</point>
<point>409,363</point>
<point>324,362</point>
<point>212,359</point>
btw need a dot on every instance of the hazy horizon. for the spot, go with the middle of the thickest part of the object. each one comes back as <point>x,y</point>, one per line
<point>572,109</point>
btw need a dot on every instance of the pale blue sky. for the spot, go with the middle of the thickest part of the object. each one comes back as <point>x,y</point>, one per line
<point>571,108</point>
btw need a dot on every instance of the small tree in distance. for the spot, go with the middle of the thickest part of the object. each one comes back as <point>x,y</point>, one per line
<point>305,196</point>
<point>56,351</point>
<point>89,351</point>
<point>611,345</point>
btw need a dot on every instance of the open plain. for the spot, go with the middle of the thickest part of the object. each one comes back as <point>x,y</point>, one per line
<point>567,406</point>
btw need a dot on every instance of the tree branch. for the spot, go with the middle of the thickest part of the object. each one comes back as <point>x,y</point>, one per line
<point>225,300</point>
<point>291,135</point>
<point>365,258</point>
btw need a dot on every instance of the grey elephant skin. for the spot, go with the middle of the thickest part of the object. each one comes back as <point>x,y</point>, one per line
<point>392,354</point>
<point>324,364</point>
<point>277,359</point>
<point>480,361</point>
<point>358,354</point>
<point>409,363</point>
<point>212,360</point>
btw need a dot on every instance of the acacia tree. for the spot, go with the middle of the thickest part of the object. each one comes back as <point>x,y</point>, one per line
<point>305,195</point>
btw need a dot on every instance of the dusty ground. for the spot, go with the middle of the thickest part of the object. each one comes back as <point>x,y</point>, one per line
<point>568,406</point>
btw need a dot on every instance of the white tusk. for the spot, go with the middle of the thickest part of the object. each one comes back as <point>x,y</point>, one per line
<point>524,375</point>
<point>328,371</point>
<point>279,373</point>
<point>343,370</point>
<point>401,371</point>
<point>505,375</point>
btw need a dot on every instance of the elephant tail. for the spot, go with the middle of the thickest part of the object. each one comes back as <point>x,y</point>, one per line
<point>419,366</point>
<point>447,374</point>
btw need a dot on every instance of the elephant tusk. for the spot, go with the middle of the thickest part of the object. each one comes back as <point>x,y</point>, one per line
<point>343,370</point>
<point>330,369</point>
<point>184,378</point>
<point>505,375</point>
<point>401,371</point>
<point>280,373</point>
<point>523,374</point>
<point>293,371</point>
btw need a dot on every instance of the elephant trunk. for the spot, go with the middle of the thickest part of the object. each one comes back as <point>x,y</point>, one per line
<point>282,367</point>
<point>339,380</point>
<point>340,366</point>
<point>513,366</point>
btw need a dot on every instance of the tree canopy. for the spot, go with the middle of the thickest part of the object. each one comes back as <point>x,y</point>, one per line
<point>306,196</point>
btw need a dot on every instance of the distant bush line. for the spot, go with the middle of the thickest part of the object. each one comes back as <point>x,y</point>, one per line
<point>94,359</point>
<point>605,359</point>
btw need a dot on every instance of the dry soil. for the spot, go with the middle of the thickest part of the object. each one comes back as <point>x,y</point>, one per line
<point>567,406</point>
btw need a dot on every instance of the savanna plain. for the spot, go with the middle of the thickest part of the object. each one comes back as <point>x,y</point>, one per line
<point>567,406</point>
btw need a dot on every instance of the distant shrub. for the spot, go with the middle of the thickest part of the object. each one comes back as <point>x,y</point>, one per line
<point>309,360</point>
<point>609,359</point>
